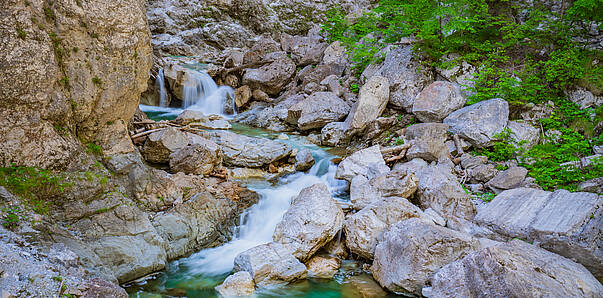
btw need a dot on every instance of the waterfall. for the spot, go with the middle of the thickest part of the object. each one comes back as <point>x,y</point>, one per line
<point>162,92</point>
<point>202,94</point>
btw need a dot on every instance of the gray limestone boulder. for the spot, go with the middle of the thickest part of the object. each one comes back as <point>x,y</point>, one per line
<point>566,223</point>
<point>393,184</point>
<point>523,134</point>
<point>200,158</point>
<point>508,179</point>
<point>371,103</point>
<point>333,134</point>
<point>437,101</point>
<point>363,228</point>
<point>271,78</point>
<point>159,145</point>
<point>313,219</point>
<point>411,251</point>
<point>317,110</point>
<point>244,151</point>
<point>236,285</point>
<point>323,266</point>
<point>428,141</point>
<point>270,265</point>
<point>367,162</point>
<point>514,269</point>
<point>304,160</point>
<point>480,122</point>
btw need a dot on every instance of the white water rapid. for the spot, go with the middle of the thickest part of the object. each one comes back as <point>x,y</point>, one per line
<point>259,222</point>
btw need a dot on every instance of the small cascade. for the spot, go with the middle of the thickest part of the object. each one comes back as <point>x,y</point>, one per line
<point>162,91</point>
<point>202,94</point>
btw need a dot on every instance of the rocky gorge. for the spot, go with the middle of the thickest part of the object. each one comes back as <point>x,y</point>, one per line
<point>167,148</point>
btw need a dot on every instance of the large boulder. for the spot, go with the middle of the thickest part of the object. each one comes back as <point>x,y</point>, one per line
<point>393,184</point>
<point>508,179</point>
<point>440,190</point>
<point>515,269</point>
<point>428,141</point>
<point>304,49</point>
<point>313,219</point>
<point>437,101</point>
<point>244,151</point>
<point>304,160</point>
<point>197,159</point>
<point>565,223</point>
<point>333,134</point>
<point>363,228</point>
<point>160,145</point>
<point>481,122</point>
<point>271,78</point>
<point>317,110</point>
<point>411,251</point>
<point>523,134</point>
<point>406,77</point>
<point>367,162</point>
<point>372,100</point>
<point>270,265</point>
<point>236,285</point>
<point>323,266</point>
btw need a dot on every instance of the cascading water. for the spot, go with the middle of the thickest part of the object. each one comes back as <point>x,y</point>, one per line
<point>162,91</point>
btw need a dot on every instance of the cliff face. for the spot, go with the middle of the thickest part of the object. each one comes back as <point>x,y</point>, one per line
<point>69,69</point>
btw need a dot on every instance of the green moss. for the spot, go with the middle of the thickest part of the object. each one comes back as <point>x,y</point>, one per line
<point>94,149</point>
<point>97,81</point>
<point>21,34</point>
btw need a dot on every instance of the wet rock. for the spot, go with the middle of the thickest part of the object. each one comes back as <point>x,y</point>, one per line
<point>479,123</point>
<point>437,101</point>
<point>367,162</point>
<point>394,184</point>
<point>427,141</point>
<point>323,266</point>
<point>507,179</point>
<point>333,134</point>
<point>562,222</point>
<point>236,285</point>
<point>244,151</point>
<point>523,134</point>
<point>440,190</point>
<point>197,159</point>
<point>317,110</point>
<point>197,119</point>
<point>304,160</point>
<point>371,103</point>
<point>242,96</point>
<point>362,286</point>
<point>411,251</point>
<point>363,228</point>
<point>159,145</point>
<point>515,269</point>
<point>313,219</point>
<point>270,265</point>
<point>271,78</point>
<point>400,67</point>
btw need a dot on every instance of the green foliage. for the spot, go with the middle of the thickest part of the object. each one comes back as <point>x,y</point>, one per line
<point>94,149</point>
<point>94,35</point>
<point>354,88</point>
<point>49,13</point>
<point>486,197</point>
<point>97,81</point>
<point>37,186</point>
<point>12,217</point>
<point>65,81</point>
<point>20,33</point>
<point>503,149</point>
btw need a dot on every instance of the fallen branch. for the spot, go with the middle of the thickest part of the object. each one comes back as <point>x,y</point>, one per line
<point>390,150</point>
<point>142,134</point>
<point>458,144</point>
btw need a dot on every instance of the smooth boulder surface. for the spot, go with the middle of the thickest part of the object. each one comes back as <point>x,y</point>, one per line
<point>441,191</point>
<point>565,223</point>
<point>524,134</point>
<point>270,264</point>
<point>371,103</point>
<point>323,266</point>
<point>159,145</point>
<point>333,134</point>
<point>317,110</point>
<point>514,269</point>
<point>271,78</point>
<point>437,101</point>
<point>313,219</point>
<point>304,160</point>
<point>364,227</point>
<point>198,159</point>
<point>244,151</point>
<point>367,162</point>
<point>393,184</point>
<point>236,285</point>
<point>508,179</point>
<point>411,251</point>
<point>428,141</point>
<point>481,122</point>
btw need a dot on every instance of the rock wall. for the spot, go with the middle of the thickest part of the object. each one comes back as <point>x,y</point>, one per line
<point>69,68</point>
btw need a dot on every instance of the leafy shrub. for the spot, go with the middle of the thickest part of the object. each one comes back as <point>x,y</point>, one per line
<point>94,149</point>
<point>12,217</point>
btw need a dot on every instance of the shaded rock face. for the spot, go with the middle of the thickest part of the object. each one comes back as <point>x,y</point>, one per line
<point>524,134</point>
<point>244,151</point>
<point>313,219</point>
<point>270,264</point>
<point>437,101</point>
<point>160,145</point>
<point>364,227</point>
<point>323,266</point>
<point>372,100</point>
<point>480,122</point>
<point>565,223</point>
<point>515,269</point>
<point>317,110</point>
<point>333,134</point>
<point>508,179</point>
<point>197,159</point>
<point>428,141</point>
<point>271,78</point>
<point>410,252</point>
<point>64,94</point>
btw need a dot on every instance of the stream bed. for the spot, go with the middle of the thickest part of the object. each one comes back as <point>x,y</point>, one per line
<point>198,274</point>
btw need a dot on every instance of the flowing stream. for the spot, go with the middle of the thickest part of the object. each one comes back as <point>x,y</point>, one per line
<point>198,274</point>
